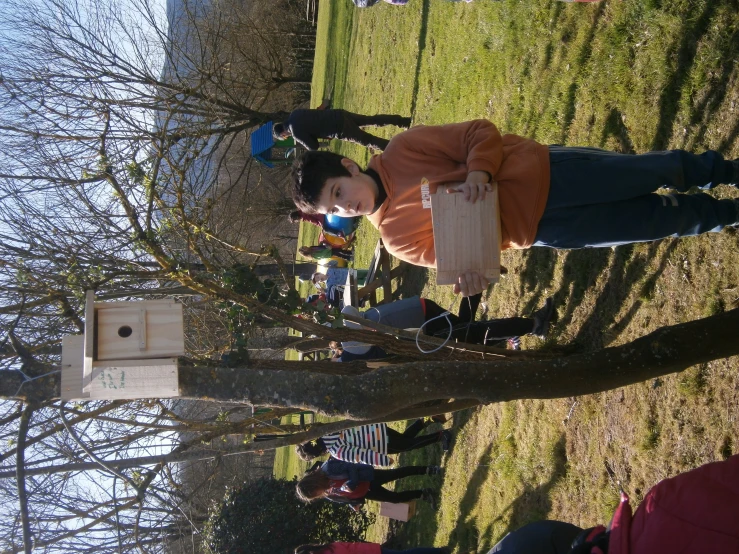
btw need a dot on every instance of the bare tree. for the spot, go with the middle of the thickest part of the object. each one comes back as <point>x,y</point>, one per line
<point>109,182</point>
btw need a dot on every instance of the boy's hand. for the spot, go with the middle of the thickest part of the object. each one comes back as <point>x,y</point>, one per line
<point>470,283</point>
<point>475,187</point>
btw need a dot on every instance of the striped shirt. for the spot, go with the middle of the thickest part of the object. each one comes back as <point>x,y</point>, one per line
<point>366,444</point>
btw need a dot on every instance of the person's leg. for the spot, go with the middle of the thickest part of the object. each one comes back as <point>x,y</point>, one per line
<point>645,218</point>
<point>381,494</point>
<point>584,176</point>
<point>475,332</point>
<point>486,332</point>
<point>414,428</point>
<point>400,442</point>
<point>351,132</point>
<point>380,120</point>
<point>437,326</point>
<point>383,476</point>
<point>543,317</point>
<point>440,326</point>
<point>417,550</point>
<point>343,254</point>
<point>468,307</point>
<point>542,537</point>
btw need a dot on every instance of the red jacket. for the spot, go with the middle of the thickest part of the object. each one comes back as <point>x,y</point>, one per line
<point>355,548</point>
<point>694,512</point>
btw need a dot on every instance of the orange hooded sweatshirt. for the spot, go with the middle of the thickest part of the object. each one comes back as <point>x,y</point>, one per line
<point>444,155</point>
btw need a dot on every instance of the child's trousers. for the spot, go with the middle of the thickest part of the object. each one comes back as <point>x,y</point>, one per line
<point>599,198</point>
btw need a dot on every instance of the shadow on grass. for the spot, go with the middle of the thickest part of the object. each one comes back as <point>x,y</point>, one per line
<point>538,270</point>
<point>615,127</point>
<point>422,31</point>
<point>727,142</point>
<point>410,282</point>
<point>669,102</point>
<point>626,270</point>
<point>579,272</point>
<point>565,107</point>
<point>646,291</point>
<point>568,111</point>
<point>534,503</point>
<point>339,65</point>
<point>706,109</point>
<point>466,536</point>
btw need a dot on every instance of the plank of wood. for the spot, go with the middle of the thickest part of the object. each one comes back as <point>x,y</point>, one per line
<point>466,236</point>
<point>89,341</point>
<point>374,262</point>
<point>159,328</point>
<point>128,379</point>
<point>377,283</point>
<point>73,355</point>
<point>387,280</point>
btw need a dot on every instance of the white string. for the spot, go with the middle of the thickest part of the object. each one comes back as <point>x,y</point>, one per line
<point>449,336</point>
<point>27,379</point>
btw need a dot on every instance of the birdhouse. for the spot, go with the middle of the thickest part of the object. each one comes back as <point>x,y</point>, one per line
<point>128,351</point>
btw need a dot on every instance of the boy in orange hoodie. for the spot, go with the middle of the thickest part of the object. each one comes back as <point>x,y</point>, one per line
<point>554,196</point>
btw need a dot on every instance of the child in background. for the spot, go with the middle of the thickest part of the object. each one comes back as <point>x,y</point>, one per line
<point>352,484</point>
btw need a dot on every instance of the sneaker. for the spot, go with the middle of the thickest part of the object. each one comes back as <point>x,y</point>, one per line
<point>514,343</point>
<point>428,495</point>
<point>434,470</point>
<point>446,440</point>
<point>542,318</point>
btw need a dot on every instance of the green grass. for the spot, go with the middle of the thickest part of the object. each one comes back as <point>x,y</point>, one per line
<point>631,75</point>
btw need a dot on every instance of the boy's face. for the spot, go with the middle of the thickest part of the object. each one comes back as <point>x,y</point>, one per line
<point>348,196</point>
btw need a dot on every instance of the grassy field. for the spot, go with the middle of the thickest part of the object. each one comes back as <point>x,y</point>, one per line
<point>633,76</point>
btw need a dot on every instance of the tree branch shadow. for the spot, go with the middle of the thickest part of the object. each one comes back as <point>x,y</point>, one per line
<point>465,535</point>
<point>422,32</point>
<point>690,37</point>
<point>534,503</point>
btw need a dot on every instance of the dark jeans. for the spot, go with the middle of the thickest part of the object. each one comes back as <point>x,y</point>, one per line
<point>478,332</point>
<point>600,198</point>
<point>382,476</point>
<point>541,537</point>
<point>419,550</point>
<point>353,122</point>
<point>402,442</point>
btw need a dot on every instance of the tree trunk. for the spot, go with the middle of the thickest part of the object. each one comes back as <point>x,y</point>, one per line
<point>379,393</point>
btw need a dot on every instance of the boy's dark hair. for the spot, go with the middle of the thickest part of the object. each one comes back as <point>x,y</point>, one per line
<point>310,173</point>
<point>277,130</point>
<point>309,450</point>
<point>294,216</point>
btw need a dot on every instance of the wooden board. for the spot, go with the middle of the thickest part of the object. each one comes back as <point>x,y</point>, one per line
<point>466,236</point>
<point>116,379</point>
<point>156,330</point>
<point>89,343</point>
<point>73,355</point>
<point>401,511</point>
<point>130,379</point>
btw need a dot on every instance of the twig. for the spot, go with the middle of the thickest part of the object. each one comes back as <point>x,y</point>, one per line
<point>20,471</point>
